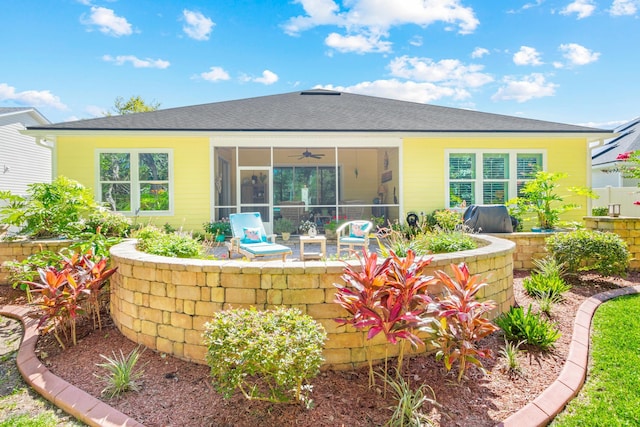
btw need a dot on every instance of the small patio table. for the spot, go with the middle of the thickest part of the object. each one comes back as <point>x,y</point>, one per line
<point>321,240</point>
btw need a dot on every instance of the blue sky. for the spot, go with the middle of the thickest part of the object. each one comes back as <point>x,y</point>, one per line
<point>570,61</point>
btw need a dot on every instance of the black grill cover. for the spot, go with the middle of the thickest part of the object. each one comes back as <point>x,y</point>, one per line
<point>489,219</point>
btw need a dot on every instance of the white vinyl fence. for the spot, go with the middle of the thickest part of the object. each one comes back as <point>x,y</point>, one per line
<point>624,196</point>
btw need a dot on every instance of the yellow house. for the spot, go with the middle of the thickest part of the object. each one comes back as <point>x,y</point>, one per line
<point>331,154</point>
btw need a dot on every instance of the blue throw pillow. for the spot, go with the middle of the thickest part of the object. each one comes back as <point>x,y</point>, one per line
<point>251,235</point>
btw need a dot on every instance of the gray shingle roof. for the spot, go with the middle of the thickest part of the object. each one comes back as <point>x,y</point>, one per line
<point>318,110</point>
<point>628,140</point>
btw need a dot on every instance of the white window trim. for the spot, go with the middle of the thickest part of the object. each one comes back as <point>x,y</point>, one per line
<point>135,182</point>
<point>478,191</point>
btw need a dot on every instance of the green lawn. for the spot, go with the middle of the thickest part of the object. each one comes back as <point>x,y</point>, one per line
<point>611,395</point>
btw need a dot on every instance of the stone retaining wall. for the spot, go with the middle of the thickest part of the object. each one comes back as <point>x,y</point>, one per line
<point>21,249</point>
<point>628,228</point>
<point>164,303</point>
<point>529,247</point>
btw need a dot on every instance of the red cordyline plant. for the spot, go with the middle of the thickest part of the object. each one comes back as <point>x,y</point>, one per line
<point>70,292</point>
<point>460,320</point>
<point>388,297</point>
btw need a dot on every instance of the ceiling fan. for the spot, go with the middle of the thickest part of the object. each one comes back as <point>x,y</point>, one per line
<point>306,154</point>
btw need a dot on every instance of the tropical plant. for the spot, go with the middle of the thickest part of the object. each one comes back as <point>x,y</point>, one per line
<point>528,327</point>
<point>546,281</point>
<point>68,293</point>
<point>267,355</point>
<point>540,197</point>
<point>588,250</point>
<point>55,209</point>
<point>27,269</point>
<point>385,298</point>
<point>122,374</point>
<point>460,320</point>
<point>510,353</point>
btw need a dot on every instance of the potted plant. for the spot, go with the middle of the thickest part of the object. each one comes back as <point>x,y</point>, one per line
<point>283,226</point>
<point>308,227</point>
<point>540,197</point>
<point>330,229</point>
<point>219,230</point>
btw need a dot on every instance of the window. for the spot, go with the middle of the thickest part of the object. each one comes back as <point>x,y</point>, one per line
<point>135,181</point>
<point>487,178</point>
<point>320,182</point>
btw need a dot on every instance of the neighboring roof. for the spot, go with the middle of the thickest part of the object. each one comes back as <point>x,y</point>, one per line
<point>9,111</point>
<point>628,140</point>
<point>318,110</point>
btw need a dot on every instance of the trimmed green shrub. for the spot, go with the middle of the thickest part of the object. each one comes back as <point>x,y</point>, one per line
<point>112,224</point>
<point>154,241</point>
<point>267,355</point>
<point>600,211</point>
<point>528,327</point>
<point>587,250</point>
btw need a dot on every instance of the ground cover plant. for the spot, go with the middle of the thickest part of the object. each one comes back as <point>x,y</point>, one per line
<point>528,326</point>
<point>154,241</point>
<point>611,393</point>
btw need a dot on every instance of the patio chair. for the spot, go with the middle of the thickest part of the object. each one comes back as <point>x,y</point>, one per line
<point>353,233</point>
<point>251,240</point>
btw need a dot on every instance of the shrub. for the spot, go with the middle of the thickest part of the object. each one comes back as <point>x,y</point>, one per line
<point>550,286</point>
<point>528,327</point>
<point>267,355</point>
<point>586,250</point>
<point>154,241</point>
<point>49,210</point>
<point>600,211</point>
<point>447,219</point>
<point>27,269</point>
<point>218,228</point>
<point>110,224</point>
<point>439,242</point>
<point>284,225</point>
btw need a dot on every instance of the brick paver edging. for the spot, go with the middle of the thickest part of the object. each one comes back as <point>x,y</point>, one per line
<point>65,396</point>
<point>94,412</point>
<point>550,402</point>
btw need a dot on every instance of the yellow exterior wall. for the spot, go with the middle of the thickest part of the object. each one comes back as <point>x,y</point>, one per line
<point>191,171</point>
<point>424,165</point>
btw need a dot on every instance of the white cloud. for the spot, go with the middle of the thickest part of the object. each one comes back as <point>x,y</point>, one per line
<point>407,91</point>
<point>479,52</point>
<point>527,56</point>
<point>268,78</point>
<point>357,43</point>
<point>197,26</point>
<point>31,98</point>
<point>449,72</point>
<point>96,111</point>
<point>578,55</point>
<point>367,17</point>
<point>215,74</point>
<point>624,7</point>
<point>583,8</point>
<point>416,41</point>
<point>137,62</point>
<point>524,89</point>
<point>108,22</point>
<point>526,6</point>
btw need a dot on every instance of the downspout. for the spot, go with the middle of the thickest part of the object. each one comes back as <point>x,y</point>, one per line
<point>51,145</point>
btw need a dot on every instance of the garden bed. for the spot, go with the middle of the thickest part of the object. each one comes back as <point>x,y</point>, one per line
<point>176,393</point>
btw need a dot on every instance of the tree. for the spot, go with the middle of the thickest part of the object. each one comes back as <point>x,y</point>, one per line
<point>135,104</point>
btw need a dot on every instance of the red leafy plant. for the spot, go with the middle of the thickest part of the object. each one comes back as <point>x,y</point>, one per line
<point>70,292</point>
<point>387,298</point>
<point>460,320</point>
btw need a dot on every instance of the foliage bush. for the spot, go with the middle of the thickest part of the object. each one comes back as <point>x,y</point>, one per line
<point>439,242</point>
<point>70,292</point>
<point>154,241</point>
<point>267,355</point>
<point>528,327</point>
<point>587,250</point>
<point>217,228</point>
<point>110,224</point>
<point>600,211</point>
<point>546,281</point>
<point>27,269</point>
<point>447,219</point>
<point>55,209</point>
